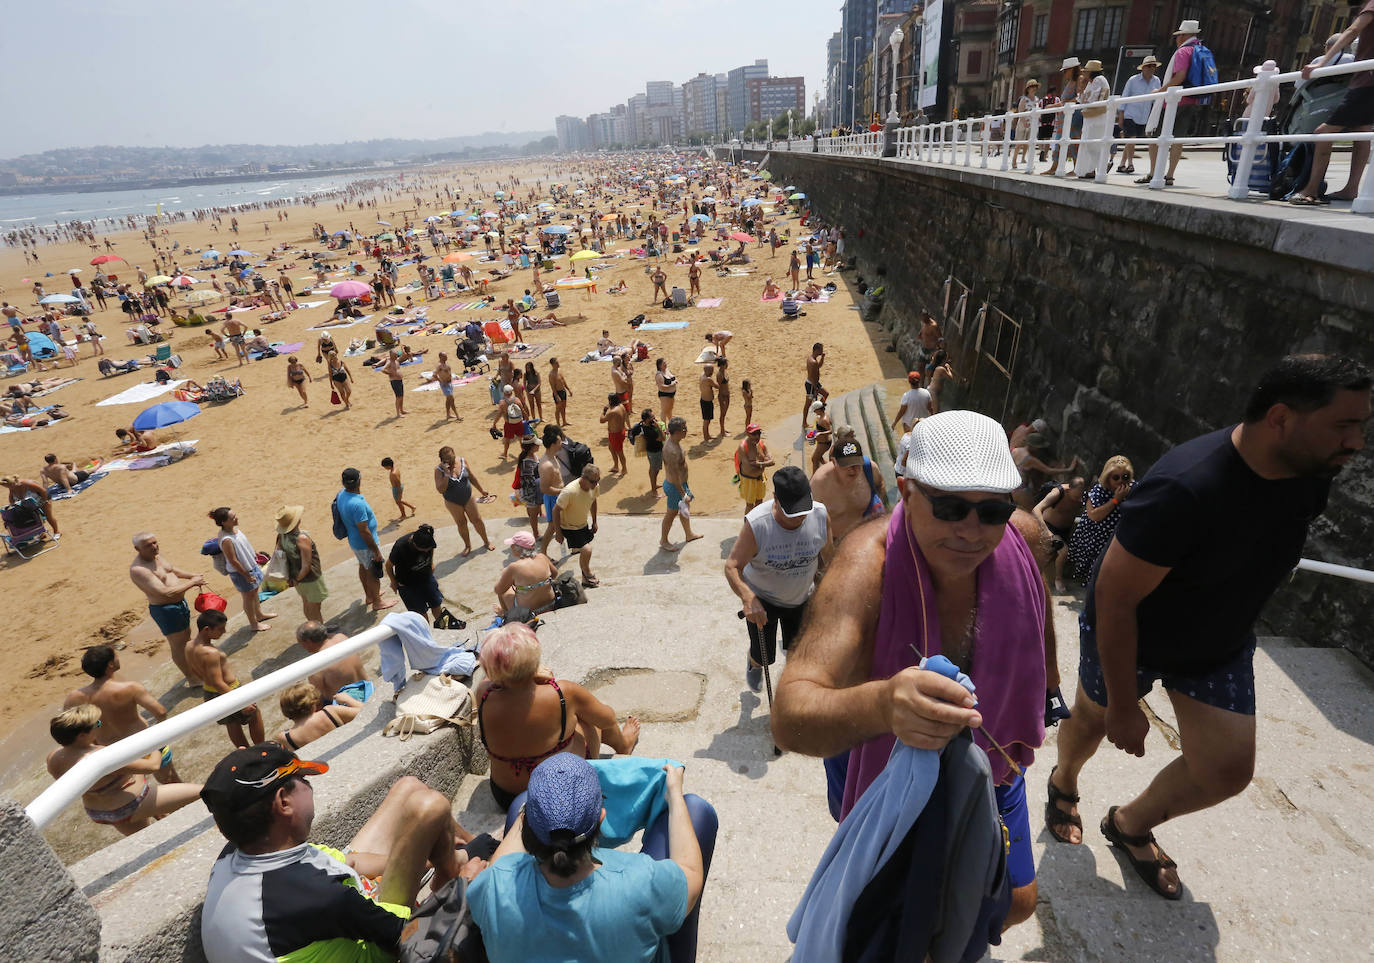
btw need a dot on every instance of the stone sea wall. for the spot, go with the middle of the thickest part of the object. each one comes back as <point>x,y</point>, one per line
<point>1130,321</point>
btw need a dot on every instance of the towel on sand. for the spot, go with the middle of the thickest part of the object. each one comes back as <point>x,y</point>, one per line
<point>140,393</point>
<point>710,302</point>
<point>663,325</point>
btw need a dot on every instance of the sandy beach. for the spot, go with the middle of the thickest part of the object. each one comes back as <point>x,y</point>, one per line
<point>264,450</point>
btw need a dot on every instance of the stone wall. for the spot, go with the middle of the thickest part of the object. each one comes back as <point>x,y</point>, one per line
<point>44,918</point>
<point>1145,319</point>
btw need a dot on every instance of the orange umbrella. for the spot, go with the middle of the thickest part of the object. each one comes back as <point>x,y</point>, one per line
<point>457,256</point>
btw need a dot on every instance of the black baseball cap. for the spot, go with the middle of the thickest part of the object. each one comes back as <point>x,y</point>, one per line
<point>792,491</point>
<point>351,476</point>
<point>246,776</point>
<point>848,455</point>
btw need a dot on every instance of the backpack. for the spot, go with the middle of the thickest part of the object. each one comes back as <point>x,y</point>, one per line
<point>340,531</point>
<point>579,456</point>
<point>1202,70</point>
<point>441,929</point>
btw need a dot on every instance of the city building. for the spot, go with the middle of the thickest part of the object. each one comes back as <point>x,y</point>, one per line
<point>636,118</point>
<point>834,74</point>
<point>699,105</point>
<point>737,98</point>
<point>857,24</point>
<point>771,97</point>
<point>572,133</point>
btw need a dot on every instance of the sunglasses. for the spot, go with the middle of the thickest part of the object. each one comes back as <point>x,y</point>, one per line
<point>1124,476</point>
<point>952,508</point>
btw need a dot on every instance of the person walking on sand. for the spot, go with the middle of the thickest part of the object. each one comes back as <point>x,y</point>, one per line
<point>165,586</point>
<point>297,377</point>
<point>660,279</point>
<point>694,280</point>
<point>794,270</point>
<point>511,415</point>
<point>392,369</point>
<point>667,389</point>
<point>443,377</point>
<point>304,571</point>
<point>360,522</point>
<point>676,493</point>
<point>653,435</point>
<point>455,482</point>
<point>341,378</point>
<point>213,666</point>
<point>558,385</point>
<point>238,560</point>
<point>614,417</point>
<point>397,487</point>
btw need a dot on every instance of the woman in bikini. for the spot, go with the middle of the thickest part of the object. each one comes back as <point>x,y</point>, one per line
<point>533,390</point>
<point>823,434</point>
<point>127,798</point>
<point>303,705</point>
<point>559,386</point>
<point>722,390</point>
<point>455,482</point>
<point>746,393</point>
<point>667,389</point>
<point>341,378</point>
<point>296,377</point>
<point>528,579</point>
<point>525,715</point>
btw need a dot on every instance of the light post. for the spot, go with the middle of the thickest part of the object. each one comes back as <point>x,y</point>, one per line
<point>854,82</point>
<point>893,118</point>
<point>921,69</point>
<point>789,125</point>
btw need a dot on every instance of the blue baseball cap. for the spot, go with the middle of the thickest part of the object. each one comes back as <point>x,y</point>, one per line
<point>564,794</point>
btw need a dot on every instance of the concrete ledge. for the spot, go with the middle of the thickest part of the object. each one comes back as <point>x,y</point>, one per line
<point>148,888</point>
<point>44,916</point>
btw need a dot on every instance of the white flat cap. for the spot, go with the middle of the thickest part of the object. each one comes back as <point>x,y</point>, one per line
<point>961,451</point>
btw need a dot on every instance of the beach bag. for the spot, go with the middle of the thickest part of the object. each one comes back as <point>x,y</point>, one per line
<point>641,446</point>
<point>444,701</point>
<point>277,574</point>
<point>210,602</point>
<point>334,398</point>
<point>579,457</point>
<point>441,929</point>
<point>217,558</point>
<point>567,590</point>
<point>340,531</point>
<point>1202,70</point>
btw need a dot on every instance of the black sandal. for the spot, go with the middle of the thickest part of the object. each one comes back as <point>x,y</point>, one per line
<point>1056,817</point>
<point>1146,869</point>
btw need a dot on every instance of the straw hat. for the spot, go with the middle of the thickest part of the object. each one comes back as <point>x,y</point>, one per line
<point>288,517</point>
<point>1149,61</point>
<point>1069,63</point>
<point>1190,28</point>
<point>1093,66</point>
<point>1032,83</point>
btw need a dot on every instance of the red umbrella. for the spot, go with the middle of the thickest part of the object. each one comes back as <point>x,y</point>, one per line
<point>741,237</point>
<point>105,258</point>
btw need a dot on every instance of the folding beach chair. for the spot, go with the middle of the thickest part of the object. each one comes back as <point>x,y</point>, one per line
<point>26,529</point>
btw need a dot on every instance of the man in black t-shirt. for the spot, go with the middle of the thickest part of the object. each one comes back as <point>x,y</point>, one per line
<point>410,567</point>
<point>1203,542</point>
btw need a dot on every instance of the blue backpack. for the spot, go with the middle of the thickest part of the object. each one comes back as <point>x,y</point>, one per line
<point>1202,70</point>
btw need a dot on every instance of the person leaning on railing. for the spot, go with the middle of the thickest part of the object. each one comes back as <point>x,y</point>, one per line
<point>1355,112</point>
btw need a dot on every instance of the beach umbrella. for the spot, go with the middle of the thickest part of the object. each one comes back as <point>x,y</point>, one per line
<point>240,252</point>
<point>557,229</point>
<point>59,299</point>
<point>522,217</point>
<point>350,289</point>
<point>799,196</point>
<point>73,270</point>
<point>493,233</point>
<point>766,175</point>
<point>184,280</point>
<point>585,256</point>
<point>157,279</point>
<point>384,223</point>
<point>741,237</point>
<point>167,413</point>
<point>699,217</point>
<point>106,259</point>
<point>432,218</point>
<point>457,257</point>
<point>749,202</point>
<point>388,236</point>
<point>209,254</point>
<point>790,187</point>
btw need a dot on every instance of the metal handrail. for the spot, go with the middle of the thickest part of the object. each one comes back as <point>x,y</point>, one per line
<point>1340,571</point>
<point>73,783</point>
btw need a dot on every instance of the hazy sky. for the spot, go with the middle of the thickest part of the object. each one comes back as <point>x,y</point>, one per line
<point>152,72</point>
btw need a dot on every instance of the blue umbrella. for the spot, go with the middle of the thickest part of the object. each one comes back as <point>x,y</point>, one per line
<point>59,299</point>
<point>243,253</point>
<point>167,413</point>
<point>698,217</point>
<point>209,254</point>
<point>40,344</point>
<point>750,202</point>
<point>557,229</point>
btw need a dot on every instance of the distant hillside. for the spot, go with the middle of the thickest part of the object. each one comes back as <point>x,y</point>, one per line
<point>98,161</point>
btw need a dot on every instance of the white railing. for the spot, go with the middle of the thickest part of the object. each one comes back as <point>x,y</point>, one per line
<point>967,141</point>
<point>1340,571</point>
<point>73,783</point>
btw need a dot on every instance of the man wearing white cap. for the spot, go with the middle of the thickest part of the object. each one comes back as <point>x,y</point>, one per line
<point>942,575</point>
<point>1191,113</point>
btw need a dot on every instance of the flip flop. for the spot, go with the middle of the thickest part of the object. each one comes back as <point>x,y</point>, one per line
<point>1146,869</point>
<point>1302,200</point>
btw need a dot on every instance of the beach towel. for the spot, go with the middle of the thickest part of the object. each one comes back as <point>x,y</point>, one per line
<point>140,393</point>
<point>528,351</point>
<point>156,458</point>
<point>774,298</point>
<point>311,304</point>
<point>414,644</point>
<point>352,322</point>
<point>57,491</point>
<point>56,387</point>
<point>664,325</point>
<point>710,302</point>
<point>456,382</point>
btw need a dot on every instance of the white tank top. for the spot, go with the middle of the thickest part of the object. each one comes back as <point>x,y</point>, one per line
<point>784,569</point>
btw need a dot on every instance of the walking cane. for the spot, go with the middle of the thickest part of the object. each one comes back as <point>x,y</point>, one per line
<point>768,685</point>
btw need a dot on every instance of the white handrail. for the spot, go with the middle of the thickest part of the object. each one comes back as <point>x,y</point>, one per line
<point>939,142</point>
<point>73,783</point>
<point>1340,571</point>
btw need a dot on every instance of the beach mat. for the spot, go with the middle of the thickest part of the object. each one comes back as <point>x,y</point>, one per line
<point>57,491</point>
<point>155,458</point>
<point>529,351</point>
<point>663,325</point>
<point>457,381</point>
<point>140,393</point>
<point>58,387</point>
<point>710,302</point>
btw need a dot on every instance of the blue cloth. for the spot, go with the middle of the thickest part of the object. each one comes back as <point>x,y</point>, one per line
<point>360,690</point>
<point>353,508</point>
<point>632,788</point>
<point>622,911</point>
<point>413,643</point>
<point>863,843</point>
<point>1011,804</point>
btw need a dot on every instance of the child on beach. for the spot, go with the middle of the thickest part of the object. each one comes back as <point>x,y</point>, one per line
<point>746,391</point>
<point>397,487</point>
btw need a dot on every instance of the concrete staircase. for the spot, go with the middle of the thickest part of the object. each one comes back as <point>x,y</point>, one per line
<point>865,410</point>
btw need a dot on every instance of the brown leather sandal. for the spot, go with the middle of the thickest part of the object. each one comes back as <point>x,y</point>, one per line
<point>1146,869</point>
<point>1056,817</point>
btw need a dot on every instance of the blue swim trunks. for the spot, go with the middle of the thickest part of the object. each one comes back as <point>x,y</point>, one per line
<point>1011,803</point>
<point>1229,686</point>
<point>674,495</point>
<point>171,618</point>
<point>549,502</point>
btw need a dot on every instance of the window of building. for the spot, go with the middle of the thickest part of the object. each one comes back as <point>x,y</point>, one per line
<point>1190,11</point>
<point>1155,14</point>
<point>1040,31</point>
<point>1112,19</point>
<point>974,67</point>
<point>1085,33</point>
